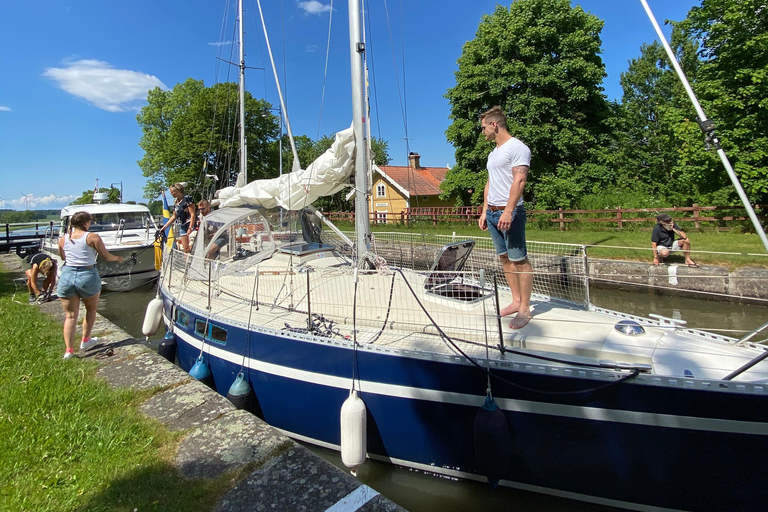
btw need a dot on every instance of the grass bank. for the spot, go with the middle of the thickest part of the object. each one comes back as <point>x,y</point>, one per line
<point>618,244</point>
<point>68,442</point>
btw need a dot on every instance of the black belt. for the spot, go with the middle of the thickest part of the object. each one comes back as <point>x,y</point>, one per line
<point>87,267</point>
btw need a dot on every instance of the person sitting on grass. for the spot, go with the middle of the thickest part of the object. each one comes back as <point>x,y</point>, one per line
<point>663,241</point>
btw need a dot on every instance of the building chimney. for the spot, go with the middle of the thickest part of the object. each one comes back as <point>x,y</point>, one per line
<point>413,160</point>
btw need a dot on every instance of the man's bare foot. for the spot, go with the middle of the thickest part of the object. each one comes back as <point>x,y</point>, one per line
<point>520,320</point>
<point>512,308</point>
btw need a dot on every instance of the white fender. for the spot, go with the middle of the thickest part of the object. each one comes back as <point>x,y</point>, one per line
<point>354,439</point>
<point>153,317</point>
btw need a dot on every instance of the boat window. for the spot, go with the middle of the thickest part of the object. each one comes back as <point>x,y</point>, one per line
<point>111,221</point>
<point>239,240</point>
<point>182,318</point>
<point>218,334</point>
<point>211,331</point>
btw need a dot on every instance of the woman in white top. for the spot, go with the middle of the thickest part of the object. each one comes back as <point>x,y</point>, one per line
<point>80,279</point>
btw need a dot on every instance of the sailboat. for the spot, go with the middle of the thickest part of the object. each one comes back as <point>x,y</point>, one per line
<point>409,362</point>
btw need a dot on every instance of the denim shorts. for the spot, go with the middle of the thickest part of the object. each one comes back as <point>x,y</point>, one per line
<point>78,281</point>
<point>184,229</point>
<point>512,241</point>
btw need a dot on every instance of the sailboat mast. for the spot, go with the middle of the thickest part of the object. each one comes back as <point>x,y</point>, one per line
<point>356,55</point>
<point>707,127</point>
<point>243,176</point>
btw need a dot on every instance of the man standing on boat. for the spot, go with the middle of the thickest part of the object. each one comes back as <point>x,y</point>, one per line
<point>503,211</point>
<point>663,241</point>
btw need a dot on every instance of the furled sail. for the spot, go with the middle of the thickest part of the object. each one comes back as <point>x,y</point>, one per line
<point>325,176</point>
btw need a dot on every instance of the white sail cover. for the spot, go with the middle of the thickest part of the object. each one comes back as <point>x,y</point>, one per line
<point>325,176</point>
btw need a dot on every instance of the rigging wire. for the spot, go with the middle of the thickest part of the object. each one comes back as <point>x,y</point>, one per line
<point>402,95</point>
<point>372,83</point>
<point>325,72</point>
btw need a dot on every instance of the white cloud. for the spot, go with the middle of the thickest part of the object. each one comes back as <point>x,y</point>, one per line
<point>3,108</point>
<point>220,43</point>
<point>311,48</point>
<point>314,7</point>
<point>32,201</point>
<point>114,90</point>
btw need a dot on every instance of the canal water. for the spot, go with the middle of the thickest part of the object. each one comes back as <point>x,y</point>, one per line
<point>419,492</point>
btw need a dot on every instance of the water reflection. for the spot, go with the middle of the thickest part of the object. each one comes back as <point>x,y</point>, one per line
<point>723,317</point>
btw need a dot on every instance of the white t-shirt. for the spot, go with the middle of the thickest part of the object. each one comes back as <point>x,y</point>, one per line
<point>500,163</point>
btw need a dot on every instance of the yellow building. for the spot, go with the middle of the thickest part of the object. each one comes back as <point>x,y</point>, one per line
<point>395,188</point>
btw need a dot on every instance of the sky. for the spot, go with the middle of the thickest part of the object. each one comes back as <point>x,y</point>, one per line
<point>75,74</point>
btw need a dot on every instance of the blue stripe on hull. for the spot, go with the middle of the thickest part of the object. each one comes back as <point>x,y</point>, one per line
<point>586,444</point>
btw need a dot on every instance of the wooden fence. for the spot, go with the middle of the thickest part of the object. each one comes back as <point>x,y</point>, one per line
<point>616,216</point>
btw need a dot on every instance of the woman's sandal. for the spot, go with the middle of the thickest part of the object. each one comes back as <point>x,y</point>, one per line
<point>106,354</point>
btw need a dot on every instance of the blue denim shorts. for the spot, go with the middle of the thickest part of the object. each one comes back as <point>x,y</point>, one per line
<point>78,281</point>
<point>512,241</point>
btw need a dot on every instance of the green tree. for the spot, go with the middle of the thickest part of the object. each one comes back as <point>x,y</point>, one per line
<point>113,196</point>
<point>733,83</point>
<point>190,131</point>
<point>664,149</point>
<point>13,216</point>
<point>539,60</point>
<point>155,207</point>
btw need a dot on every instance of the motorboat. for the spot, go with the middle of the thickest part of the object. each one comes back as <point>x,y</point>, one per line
<point>128,230</point>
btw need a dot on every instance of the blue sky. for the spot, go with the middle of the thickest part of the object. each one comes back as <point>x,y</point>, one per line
<point>75,73</point>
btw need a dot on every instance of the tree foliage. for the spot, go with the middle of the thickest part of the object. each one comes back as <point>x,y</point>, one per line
<point>539,60</point>
<point>191,131</point>
<point>113,196</point>
<point>663,145</point>
<point>13,216</point>
<point>733,83</point>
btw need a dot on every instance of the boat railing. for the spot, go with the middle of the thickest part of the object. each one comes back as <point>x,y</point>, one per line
<point>322,301</point>
<point>120,231</point>
<point>49,236</point>
<point>560,271</point>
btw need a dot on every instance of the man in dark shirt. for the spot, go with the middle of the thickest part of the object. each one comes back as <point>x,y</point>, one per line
<point>663,241</point>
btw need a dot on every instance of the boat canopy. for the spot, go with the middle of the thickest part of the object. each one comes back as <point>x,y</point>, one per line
<point>235,238</point>
<point>325,176</point>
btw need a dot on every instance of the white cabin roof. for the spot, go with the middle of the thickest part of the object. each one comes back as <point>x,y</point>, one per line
<point>68,211</point>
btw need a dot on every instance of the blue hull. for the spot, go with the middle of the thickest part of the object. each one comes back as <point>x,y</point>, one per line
<point>642,443</point>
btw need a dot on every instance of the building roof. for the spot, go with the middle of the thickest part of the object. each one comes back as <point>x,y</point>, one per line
<point>424,181</point>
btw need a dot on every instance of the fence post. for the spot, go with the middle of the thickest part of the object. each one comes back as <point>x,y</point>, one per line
<point>562,224</point>
<point>696,215</point>
<point>618,216</point>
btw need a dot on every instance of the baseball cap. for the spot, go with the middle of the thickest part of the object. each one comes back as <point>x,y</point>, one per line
<point>664,217</point>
